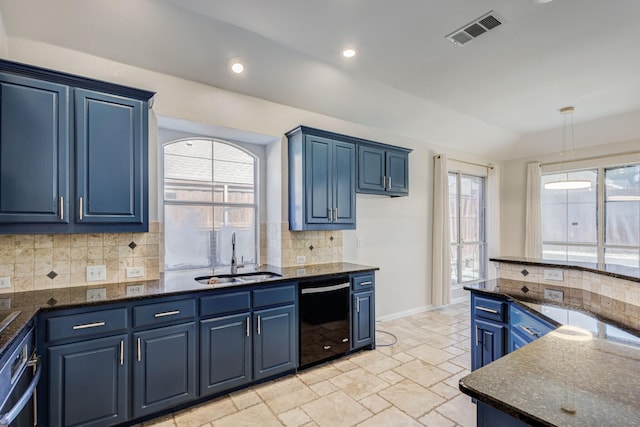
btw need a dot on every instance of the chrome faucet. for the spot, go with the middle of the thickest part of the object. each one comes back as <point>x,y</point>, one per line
<point>234,261</point>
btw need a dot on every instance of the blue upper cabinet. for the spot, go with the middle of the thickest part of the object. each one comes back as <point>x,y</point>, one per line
<point>111,168</point>
<point>322,181</point>
<point>34,150</point>
<point>383,170</point>
<point>73,153</point>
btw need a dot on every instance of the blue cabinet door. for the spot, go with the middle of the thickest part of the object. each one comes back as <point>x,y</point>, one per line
<point>516,341</point>
<point>397,171</point>
<point>164,370</point>
<point>34,151</point>
<point>344,176</point>
<point>363,319</point>
<point>225,353</point>
<point>319,181</point>
<point>111,152</point>
<point>371,169</point>
<point>489,340</point>
<point>88,383</point>
<point>274,341</point>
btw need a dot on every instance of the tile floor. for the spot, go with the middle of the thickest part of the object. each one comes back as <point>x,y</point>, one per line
<point>412,383</point>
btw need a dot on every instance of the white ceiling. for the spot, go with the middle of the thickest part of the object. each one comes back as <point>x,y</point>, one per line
<point>407,78</point>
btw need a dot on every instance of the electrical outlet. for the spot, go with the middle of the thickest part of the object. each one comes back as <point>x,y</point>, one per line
<point>359,242</point>
<point>135,272</point>
<point>99,294</point>
<point>135,290</point>
<point>301,272</point>
<point>96,273</point>
<point>301,259</point>
<point>5,282</point>
<point>555,275</point>
<point>5,304</point>
<point>553,295</point>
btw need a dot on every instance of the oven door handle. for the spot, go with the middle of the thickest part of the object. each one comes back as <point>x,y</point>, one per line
<point>8,417</point>
<point>324,289</point>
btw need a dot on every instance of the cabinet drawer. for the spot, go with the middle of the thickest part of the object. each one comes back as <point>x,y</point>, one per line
<point>274,296</point>
<point>363,283</point>
<point>86,324</point>
<point>489,308</point>
<point>225,303</point>
<point>527,325</point>
<point>170,311</point>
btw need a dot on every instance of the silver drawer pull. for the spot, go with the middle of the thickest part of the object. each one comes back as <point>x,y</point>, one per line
<point>167,313</point>
<point>488,310</point>
<point>365,283</point>
<point>529,331</point>
<point>327,347</point>
<point>89,325</point>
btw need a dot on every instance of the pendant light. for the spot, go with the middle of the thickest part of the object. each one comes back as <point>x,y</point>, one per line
<point>572,184</point>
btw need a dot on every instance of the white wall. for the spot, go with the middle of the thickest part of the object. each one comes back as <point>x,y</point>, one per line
<point>514,188</point>
<point>3,39</point>
<point>395,233</point>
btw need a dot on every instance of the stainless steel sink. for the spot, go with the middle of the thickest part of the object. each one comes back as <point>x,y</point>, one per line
<point>236,279</point>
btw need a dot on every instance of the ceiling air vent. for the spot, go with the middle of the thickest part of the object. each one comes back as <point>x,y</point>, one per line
<point>475,28</point>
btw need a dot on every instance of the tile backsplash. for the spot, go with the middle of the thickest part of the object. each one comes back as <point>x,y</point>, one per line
<point>45,261</point>
<point>283,247</point>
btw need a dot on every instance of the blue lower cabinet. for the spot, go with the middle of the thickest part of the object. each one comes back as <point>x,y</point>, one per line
<point>164,370</point>
<point>489,342</point>
<point>88,382</point>
<point>516,341</point>
<point>274,341</point>
<point>225,353</point>
<point>362,322</point>
<point>490,417</point>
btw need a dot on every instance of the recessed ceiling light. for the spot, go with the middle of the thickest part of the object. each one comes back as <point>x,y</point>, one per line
<point>349,53</point>
<point>237,67</point>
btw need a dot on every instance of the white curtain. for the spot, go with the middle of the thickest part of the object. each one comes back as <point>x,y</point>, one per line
<point>441,258</point>
<point>493,217</point>
<point>533,226</point>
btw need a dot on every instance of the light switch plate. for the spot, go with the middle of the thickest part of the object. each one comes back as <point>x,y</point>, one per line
<point>96,273</point>
<point>99,294</point>
<point>553,295</point>
<point>553,274</point>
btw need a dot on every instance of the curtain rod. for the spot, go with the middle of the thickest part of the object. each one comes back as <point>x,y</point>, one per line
<point>437,156</point>
<point>606,156</point>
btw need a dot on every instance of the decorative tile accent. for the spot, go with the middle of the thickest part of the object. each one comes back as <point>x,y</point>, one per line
<point>52,302</point>
<point>311,247</point>
<point>524,272</point>
<point>132,245</point>
<point>331,238</point>
<point>52,275</point>
<point>524,289</point>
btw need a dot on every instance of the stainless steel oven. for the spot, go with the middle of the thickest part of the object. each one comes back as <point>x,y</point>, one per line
<point>325,324</point>
<point>19,375</point>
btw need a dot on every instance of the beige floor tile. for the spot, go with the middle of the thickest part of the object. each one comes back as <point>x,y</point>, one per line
<point>445,390</point>
<point>375,403</point>
<point>464,360</point>
<point>434,419</point>
<point>294,418</point>
<point>245,398</point>
<point>323,388</point>
<point>336,409</point>
<point>452,368</point>
<point>257,415</point>
<point>391,377</point>
<point>403,357</point>
<point>430,354</point>
<point>456,351</point>
<point>205,413</point>
<point>459,409</point>
<point>422,373</point>
<point>375,362</point>
<point>286,394</point>
<point>411,398</point>
<point>345,365</point>
<point>390,417</point>
<point>359,383</point>
<point>453,380</point>
<point>318,373</point>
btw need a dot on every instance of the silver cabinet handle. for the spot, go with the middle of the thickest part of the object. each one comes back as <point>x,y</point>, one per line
<point>139,352</point>
<point>476,335</point>
<point>88,325</point>
<point>389,185</point>
<point>384,182</point>
<point>121,352</point>
<point>529,331</point>
<point>62,208</point>
<point>167,313</point>
<point>357,304</point>
<point>488,310</point>
<point>248,323</point>
<point>80,208</point>
<point>330,214</point>
<point>335,215</point>
<point>365,283</point>
<point>258,325</point>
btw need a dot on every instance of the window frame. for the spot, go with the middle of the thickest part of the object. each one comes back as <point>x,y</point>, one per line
<point>212,204</point>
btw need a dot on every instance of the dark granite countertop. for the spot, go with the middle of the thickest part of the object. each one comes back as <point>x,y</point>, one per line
<point>611,270</point>
<point>590,362</point>
<point>173,283</point>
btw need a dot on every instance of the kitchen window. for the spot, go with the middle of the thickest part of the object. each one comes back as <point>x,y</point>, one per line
<point>467,227</point>
<point>600,224</point>
<point>209,193</point>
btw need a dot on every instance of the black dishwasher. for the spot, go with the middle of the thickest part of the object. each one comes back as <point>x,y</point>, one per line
<point>324,319</point>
